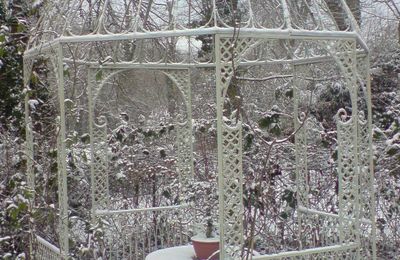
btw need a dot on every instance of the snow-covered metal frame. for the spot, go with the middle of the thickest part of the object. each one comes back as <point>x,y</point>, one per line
<point>97,77</point>
<point>233,36</point>
<point>40,249</point>
<point>122,243</point>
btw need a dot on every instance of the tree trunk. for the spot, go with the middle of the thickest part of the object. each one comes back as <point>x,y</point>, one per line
<point>355,8</point>
<point>338,12</point>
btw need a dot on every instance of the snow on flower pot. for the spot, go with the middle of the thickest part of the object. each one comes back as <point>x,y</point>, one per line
<point>206,247</point>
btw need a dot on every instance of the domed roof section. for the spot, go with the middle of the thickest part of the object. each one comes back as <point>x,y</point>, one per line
<point>77,17</point>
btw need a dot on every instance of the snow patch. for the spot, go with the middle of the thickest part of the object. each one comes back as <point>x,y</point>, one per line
<point>33,103</point>
<point>37,3</point>
<point>2,239</point>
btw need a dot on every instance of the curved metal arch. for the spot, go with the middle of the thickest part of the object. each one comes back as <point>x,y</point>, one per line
<point>112,72</point>
<point>346,52</point>
<point>185,94</point>
<point>100,189</point>
<point>99,86</point>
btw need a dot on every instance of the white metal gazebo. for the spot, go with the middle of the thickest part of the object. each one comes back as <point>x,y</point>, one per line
<point>104,39</point>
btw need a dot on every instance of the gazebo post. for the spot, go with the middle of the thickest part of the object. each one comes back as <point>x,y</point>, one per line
<point>29,150</point>
<point>301,151</point>
<point>367,196</point>
<point>228,53</point>
<point>348,163</point>
<point>58,63</point>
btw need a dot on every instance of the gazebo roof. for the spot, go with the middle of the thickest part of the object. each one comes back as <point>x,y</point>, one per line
<point>109,20</point>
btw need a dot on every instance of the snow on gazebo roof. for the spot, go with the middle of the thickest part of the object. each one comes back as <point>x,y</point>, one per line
<point>110,20</point>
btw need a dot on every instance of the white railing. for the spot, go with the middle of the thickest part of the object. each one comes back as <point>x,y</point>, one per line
<point>134,233</point>
<point>44,250</point>
<point>345,251</point>
<point>331,215</point>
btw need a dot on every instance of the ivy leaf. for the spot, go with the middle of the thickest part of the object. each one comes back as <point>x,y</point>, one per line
<point>393,150</point>
<point>99,75</point>
<point>21,28</point>
<point>34,78</point>
<point>289,197</point>
<point>289,93</point>
<point>248,141</point>
<point>266,122</point>
<point>284,215</point>
<point>167,194</point>
<point>271,122</point>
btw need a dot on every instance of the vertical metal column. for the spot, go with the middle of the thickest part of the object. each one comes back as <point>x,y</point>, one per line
<point>367,191</point>
<point>301,150</point>
<point>344,52</point>
<point>57,60</point>
<point>29,153</point>
<point>228,52</point>
<point>98,148</point>
<point>27,67</point>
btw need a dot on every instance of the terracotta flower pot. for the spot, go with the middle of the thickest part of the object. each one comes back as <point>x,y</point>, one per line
<point>205,247</point>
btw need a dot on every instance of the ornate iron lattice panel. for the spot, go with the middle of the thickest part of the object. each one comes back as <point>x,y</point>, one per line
<point>230,173</point>
<point>344,52</point>
<point>98,142</point>
<point>348,179</point>
<point>367,207</point>
<point>185,151</point>
<point>99,164</point>
<point>232,194</point>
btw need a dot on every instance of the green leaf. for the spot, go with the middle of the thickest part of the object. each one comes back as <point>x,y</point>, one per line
<point>163,131</point>
<point>289,93</point>
<point>66,73</point>
<point>163,153</point>
<point>392,150</point>
<point>325,143</point>
<point>21,27</point>
<point>22,206</point>
<point>85,138</point>
<point>284,215</point>
<point>248,141</point>
<point>270,121</point>
<point>289,197</point>
<point>335,155</point>
<point>99,75</point>
<point>34,78</point>
<point>167,194</point>
<point>276,129</point>
<point>2,38</point>
<point>265,122</point>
